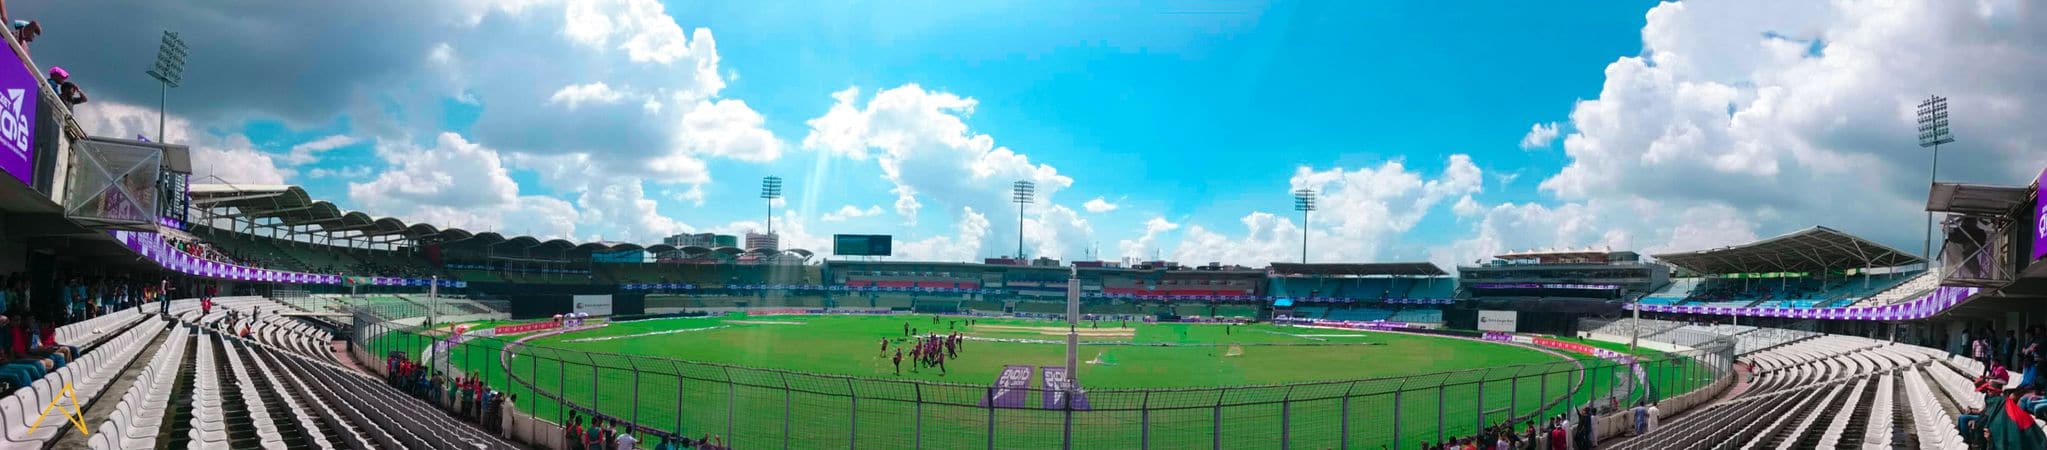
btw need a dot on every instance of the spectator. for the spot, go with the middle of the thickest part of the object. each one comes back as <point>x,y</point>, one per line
<point>60,81</point>
<point>26,31</point>
<point>625,439</point>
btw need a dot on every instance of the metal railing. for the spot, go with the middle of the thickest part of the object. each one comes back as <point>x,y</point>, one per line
<point>751,407</point>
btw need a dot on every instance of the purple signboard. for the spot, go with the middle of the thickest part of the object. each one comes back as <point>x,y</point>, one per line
<point>1011,387</point>
<point>1056,384</point>
<point>1933,303</point>
<point>19,92</point>
<point>153,247</point>
<point>2039,219</point>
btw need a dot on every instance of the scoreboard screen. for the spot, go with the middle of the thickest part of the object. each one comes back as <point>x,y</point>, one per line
<point>863,245</point>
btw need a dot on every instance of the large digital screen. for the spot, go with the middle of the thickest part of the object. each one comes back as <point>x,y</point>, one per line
<point>863,245</point>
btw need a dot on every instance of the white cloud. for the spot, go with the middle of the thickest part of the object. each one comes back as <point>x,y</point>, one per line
<point>1539,136</point>
<point>729,129</point>
<point>453,173</point>
<point>921,141</point>
<point>850,212</point>
<point>1141,248</point>
<point>575,95</point>
<point>962,245</point>
<point>1357,213</point>
<point>230,158</point>
<point>1098,206</point>
<point>308,152</point>
<point>345,172</point>
<point>1760,118</point>
<point>457,183</point>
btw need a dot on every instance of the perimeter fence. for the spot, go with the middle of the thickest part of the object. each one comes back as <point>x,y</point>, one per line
<point>753,407</point>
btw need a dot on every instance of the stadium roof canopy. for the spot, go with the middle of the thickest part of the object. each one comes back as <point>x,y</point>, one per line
<point>1396,269</point>
<point>1975,199</point>
<point>1815,249</point>
<point>294,212</point>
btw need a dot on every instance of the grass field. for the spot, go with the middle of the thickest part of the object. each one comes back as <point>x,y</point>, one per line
<point>855,399</point>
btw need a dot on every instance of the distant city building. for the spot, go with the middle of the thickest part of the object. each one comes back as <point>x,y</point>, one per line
<point>770,241</point>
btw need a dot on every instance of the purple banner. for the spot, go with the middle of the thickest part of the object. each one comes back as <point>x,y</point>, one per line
<point>1603,287</point>
<point>152,246</point>
<point>2039,219</point>
<point>1011,387</point>
<point>1940,300</point>
<point>1056,384</point>
<point>19,93</point>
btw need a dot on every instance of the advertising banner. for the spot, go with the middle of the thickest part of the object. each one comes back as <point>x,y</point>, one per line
<point>595,305</point>
<point>1011,387</point>
<point>1501,321</point>
<point>18,98</point>
<point>2039,219</point>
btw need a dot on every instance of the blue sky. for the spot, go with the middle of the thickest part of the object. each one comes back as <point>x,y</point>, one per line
<point>1671,126</point>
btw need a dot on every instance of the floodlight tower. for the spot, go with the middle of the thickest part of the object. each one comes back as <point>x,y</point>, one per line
<point>168,71</point>
<point>771,189</point>
<point>1933,131</point>
<point>1021,193</point>
<point>1304,201</point>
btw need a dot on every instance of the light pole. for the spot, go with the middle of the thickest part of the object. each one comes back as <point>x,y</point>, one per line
<point>1304,201</point>
<point>168,71</point>
<point>1933,131</point>
<point>771,189</point>
<point>1021,193</point>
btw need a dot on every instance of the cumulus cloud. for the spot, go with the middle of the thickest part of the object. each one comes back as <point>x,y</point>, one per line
<point>231,158</point>
<point>1750,118</point>
<point>575,95</point>
<point>850,212</point>
<point>308,152</point>
<point>1098,206</point>
<point>962,245</point>
<point>1141,248</point>
<point>922,143</point>
<point>1539,136</point>
<point>1357,213</point>
<point>345,172</point>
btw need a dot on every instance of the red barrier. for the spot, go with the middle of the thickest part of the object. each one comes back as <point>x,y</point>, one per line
<point>526,328</point>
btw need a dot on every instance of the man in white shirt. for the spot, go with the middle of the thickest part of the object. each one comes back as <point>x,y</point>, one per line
<point>626,441</point>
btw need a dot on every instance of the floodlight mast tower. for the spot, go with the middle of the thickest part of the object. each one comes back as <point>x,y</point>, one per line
<point>1021,192</point>
<point>1304,201</point>
<point>1933,131</point>
<point>771,189</point>
<point>168,71</point>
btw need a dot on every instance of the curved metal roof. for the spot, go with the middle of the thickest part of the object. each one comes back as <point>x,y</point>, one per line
<point>292,206</point>
<point>1813,249</point>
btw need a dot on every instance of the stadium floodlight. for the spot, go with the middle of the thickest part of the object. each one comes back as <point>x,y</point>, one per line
<point>771,189</point>
<point>1021,193</point>
<point>168,71</point>
<point>1304,201</point>
<point>1933,131</point>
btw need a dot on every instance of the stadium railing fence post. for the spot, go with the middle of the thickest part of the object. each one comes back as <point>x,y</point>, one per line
<point>1215,432</point>
<point>917,433</point>
<point>786,409</point>
<point>1343,426</point>
<point>1396,410</point>
<point>852,415</point>
<point>1286,408</point>
<point>635,418</point>
<point>1442,400</point>
<point>731,401</point>
<point>1143,422</point>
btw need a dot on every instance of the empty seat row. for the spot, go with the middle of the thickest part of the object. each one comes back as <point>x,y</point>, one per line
<point>86,377</point>
<point>139,415</point>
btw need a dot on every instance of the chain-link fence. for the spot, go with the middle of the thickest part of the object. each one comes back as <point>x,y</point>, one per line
<point>749,407</point>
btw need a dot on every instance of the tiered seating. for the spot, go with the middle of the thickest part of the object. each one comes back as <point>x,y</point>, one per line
<point>1916,287</point>
<point>1628,326</point>
<point>1418,316</point>
<point>137,418</point>
<point>1830,391</point>
<point>87,377</point>
<point>1360,314</point>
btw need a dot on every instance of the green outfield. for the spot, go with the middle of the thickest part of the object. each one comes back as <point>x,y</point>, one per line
<point>1146,382</point>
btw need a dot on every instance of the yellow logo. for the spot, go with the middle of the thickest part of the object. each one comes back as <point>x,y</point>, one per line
<point>77,417</point>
